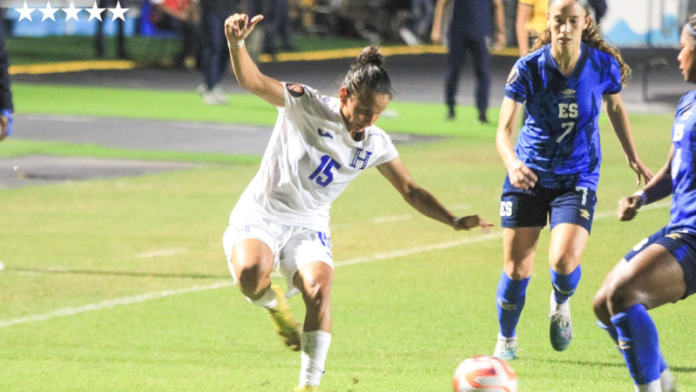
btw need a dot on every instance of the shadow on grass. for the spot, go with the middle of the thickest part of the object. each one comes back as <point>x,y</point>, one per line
<point>676,369</point>
<point>117,273</point>
<point>576,362</point>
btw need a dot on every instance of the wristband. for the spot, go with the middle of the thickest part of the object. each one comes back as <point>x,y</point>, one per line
<point>643,197</point>
<point>238,45</point>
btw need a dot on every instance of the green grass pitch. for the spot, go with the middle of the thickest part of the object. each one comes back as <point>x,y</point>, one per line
<point>401,324</point>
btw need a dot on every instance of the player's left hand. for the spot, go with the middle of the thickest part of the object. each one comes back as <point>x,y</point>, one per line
<point>628,208</point>
<point>469,222</point>
<point>641,171</point>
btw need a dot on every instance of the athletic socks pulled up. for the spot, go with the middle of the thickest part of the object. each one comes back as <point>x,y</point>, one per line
<point>564,286</point>
<point>315,346</point>
<point>638,342</point>
<point>510,299</point>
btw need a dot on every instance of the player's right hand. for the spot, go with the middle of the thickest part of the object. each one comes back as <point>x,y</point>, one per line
<point>521,177</point>
<point>628,207</point>
<point>238,27</point>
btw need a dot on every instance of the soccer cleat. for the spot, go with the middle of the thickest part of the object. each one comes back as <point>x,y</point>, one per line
<point>306,388</point>
<point>506,348</point>
<point>285,324</point>
<point>561,329</point>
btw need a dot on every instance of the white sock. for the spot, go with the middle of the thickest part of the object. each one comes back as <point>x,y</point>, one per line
<point>315,346</point>
<point>667,381</point>
<point>652,387</point>
<point>268,300</point>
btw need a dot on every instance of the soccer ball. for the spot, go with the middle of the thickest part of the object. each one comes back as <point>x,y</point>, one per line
<point>484,374</point>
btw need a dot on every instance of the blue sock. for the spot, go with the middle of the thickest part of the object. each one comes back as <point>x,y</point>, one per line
<point>638,343</point>
<point>611,330</point>
<point>564,285</point>
<point>510,301</point>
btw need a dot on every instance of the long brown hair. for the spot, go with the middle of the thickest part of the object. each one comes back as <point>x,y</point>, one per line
<point>591,37</point>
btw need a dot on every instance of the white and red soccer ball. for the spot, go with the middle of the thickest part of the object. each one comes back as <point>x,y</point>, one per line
<point>484,374</point>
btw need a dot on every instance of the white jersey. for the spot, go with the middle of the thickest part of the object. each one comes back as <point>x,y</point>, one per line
<point>309,161</point>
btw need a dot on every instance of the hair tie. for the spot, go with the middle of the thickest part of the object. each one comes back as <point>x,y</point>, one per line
<point>691,29</point>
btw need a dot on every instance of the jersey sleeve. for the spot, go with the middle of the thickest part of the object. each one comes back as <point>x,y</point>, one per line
<point>527,2</point>
<point>613,78</point>
<point>302,103</point>
<point>388,151</point>
<point>517,85</point>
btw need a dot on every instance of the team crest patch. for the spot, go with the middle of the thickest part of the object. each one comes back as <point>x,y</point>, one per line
<point>295,90</point>
<point>513,75</point>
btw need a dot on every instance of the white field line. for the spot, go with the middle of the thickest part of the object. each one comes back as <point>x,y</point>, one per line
<point>112,303</point>
<point>161,253</point>
<point>391,218</point>
<point>358,260</point>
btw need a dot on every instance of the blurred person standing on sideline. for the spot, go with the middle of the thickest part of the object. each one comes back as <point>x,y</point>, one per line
<point>122,53</point>
<point>182,17</point>
<point>531,21</point>
<point>6,106</point>
<point>277,15</point>
<point>468,32</point>
<point>214,54</point>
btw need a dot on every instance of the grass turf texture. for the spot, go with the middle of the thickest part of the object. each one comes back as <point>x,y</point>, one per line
<point>26,50</point>
<point>416,118</point>
<point>401,324</point>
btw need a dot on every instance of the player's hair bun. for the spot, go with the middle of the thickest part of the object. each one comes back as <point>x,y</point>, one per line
<point>370,55</point>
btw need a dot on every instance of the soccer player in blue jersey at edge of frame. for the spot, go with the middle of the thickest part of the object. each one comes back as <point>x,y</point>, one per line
<point>662,268</point>
<point>554,169</point>
<point>281,222</point>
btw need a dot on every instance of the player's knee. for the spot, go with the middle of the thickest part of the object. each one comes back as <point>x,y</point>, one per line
<point>317,292</point>
<point>619,297</point>
<point>249,278</point>
<point>566,263</point>
<point>599,304</point>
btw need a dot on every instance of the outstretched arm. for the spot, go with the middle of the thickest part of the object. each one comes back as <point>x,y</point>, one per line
<point>657,189</point>
<point>238,27</point>
<point>423,201</point>
<point>619,121</point>
<point>519,174</point>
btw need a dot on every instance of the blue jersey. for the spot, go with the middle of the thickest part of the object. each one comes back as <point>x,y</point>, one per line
<point>683,211</point>
<point>560,137</point>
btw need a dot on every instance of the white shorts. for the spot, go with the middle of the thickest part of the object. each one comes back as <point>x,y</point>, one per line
<point>293,247</point>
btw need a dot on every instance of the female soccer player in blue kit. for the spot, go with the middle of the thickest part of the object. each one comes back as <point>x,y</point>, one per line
<point>662,268</point>
<point>554,169</point>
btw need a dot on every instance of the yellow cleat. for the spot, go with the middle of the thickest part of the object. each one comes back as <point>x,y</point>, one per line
<point>284,322</point>
<point>306,388</point>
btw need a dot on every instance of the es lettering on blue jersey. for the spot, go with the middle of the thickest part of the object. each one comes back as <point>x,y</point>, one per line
<point>559,140</point>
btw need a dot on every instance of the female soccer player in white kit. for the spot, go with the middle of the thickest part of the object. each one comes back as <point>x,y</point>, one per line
<point>281,222</point>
